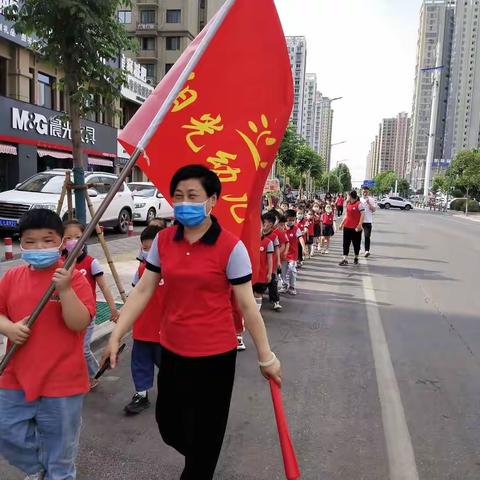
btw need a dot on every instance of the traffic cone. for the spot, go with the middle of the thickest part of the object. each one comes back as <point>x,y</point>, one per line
<point>8,242</point>
<point>130,229</point>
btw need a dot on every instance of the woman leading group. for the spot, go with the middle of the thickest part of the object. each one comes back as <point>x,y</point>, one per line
<point>200,264</point>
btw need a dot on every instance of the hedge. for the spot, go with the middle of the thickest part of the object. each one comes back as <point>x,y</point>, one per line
<point>459,205</point>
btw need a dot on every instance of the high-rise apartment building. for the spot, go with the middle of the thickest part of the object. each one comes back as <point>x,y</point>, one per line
<point>388,152</point>
<point>297,49</point>
<point>324,139</point>
<point>433,50</point>
<point>400,155</point>
<point>463,115</point>
<point>164,29</point>
<point>310,109</point>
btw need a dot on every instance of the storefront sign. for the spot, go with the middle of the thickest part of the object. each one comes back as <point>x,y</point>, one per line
<point>41,126</point>
<point>137,90</point>
<point>7,29</point>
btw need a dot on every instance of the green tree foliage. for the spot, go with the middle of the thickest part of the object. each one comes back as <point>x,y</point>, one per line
<point>334,186</point>
<point>440,184</point>
<point>385,182</point>
<point>344,176</point>
<point>465,173</point>
<point>403,187</point>
<point>83,38</point>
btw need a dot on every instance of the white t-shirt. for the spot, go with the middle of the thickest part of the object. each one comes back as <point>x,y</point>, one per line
<point>368,213</point>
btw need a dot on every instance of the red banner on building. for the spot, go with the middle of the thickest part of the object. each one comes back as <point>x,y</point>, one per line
<point>230,115</point>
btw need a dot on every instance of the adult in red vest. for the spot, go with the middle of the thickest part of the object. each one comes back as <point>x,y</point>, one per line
<point>339,204</point>
<point>352,226</point>
<point>201,264</point>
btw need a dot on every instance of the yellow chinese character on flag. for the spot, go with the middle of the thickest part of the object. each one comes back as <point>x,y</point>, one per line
<point>222,168</point>
<point>239,203</point>
<point>252,145</point>
<point>186,97</point>
<point>206,124</point>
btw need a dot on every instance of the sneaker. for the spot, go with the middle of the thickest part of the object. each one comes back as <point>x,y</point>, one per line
<point>292,291</point>
<point>367,254</point>
<point>343,263</point>
<point>355,260</point>
<point>240,345</point>
<point>138,404</point>
<point>36,476</point>
<point>326,252</point>
<point>283,290</point>
<point>277,307</point>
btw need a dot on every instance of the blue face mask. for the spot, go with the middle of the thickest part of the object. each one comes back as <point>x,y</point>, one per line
<point>144,254</point>
<point>41,258</point>
<point>190,214</point>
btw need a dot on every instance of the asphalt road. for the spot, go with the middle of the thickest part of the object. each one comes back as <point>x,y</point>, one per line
<point>352,416</point>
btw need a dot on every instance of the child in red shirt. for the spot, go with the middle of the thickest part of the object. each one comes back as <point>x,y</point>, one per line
<point>146,351</point>
<point>327,229</point>
<point>91,269</point>
<point>289,266</point>
<point>269,220</point>
<point>42,388</point>
<point>310,226</point>
<point>302,225</point>
<point>284,245</point>
<point>265,270</point>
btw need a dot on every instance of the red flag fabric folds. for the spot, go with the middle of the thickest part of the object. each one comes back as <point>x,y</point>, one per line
<point>230,114</point>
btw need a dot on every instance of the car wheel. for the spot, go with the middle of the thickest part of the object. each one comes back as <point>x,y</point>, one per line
<point>151,214</point>
<point>408,207</point>
<point>388,206</point>
<point>124,218</point>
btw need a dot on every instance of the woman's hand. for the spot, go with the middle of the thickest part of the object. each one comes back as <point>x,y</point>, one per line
<point>111,352</point>
<point>274,372</point>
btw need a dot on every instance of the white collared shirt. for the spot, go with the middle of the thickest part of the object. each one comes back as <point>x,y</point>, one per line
<point>368,213</point>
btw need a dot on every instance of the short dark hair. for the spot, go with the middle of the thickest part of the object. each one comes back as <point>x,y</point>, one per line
<point>354,194</point>
<point>269,217</point>
<point>150,232</point>
<point>365,187</point>
<point>74,223</point>
<point>282,219</point>
<point>291,213</point>
<point>209,180</point>
<point>39,218</point>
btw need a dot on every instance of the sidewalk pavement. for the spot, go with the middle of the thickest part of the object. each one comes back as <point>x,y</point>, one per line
<point>472,217</point>
<point>124,253</point>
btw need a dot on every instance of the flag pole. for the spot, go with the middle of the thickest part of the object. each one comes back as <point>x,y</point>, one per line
<point>216,23</point>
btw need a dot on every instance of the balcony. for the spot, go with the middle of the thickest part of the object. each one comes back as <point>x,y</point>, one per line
<point>144,55</point>
<point>147,27</point>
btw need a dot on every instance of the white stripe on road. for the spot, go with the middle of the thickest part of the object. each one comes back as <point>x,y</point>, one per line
<point>401,457</point>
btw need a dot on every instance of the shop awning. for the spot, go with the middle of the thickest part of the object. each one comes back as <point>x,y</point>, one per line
<point>54,153</point>
<point>100,162</point>
<point>8,149</point>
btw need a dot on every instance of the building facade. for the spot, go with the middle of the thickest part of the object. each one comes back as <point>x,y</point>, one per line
<point>402,133</point>
<point>434,49</point>
<point>463,111</point>
<point>164,29</point>
<point>324,108</point>
<point>310,109</point>
<point>297,49</point>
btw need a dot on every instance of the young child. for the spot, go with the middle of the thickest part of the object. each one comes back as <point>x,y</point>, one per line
<point>283,246</point>
<point>289,268</point>
<point>302,225</point>
<point>146,351</point>
<point>317,227</point>
<point>310,226</point>
<point>269,221</point>
<point>91,269</point>
<point>265,270</point>
<point>328,217</point>
<point>43,386</point>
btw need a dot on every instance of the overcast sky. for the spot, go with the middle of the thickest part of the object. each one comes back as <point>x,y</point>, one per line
<point>364,51</point>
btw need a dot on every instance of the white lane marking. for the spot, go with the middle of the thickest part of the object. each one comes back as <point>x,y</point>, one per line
<point>401,457</point>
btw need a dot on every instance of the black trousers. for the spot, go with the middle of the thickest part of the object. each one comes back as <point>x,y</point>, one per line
<point>339,210</point>
<point>367,228</point>
<point>192,408</point>
<point>350,235</point>
<point>300,252</point>
<point>273,295</point>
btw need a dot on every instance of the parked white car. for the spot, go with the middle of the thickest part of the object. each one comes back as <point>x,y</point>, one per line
<point>43,190</point>
<point>395,202</point>
<point>149,202</point>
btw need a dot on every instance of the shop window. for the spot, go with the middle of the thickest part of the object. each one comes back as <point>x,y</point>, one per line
<point>3,76</point>
<point>45,91</point>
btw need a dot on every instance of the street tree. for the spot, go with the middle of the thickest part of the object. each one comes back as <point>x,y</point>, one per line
<point>331,183</point>
<point>307,160</point>
<point>83,38</point>
<point>385,182</point>
<point>403,187</point>
<point>465,172</point>
<point>345,177</point>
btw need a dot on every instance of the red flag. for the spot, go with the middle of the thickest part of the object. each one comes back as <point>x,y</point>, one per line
<point>292,471</point>
<point>234,95</point>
